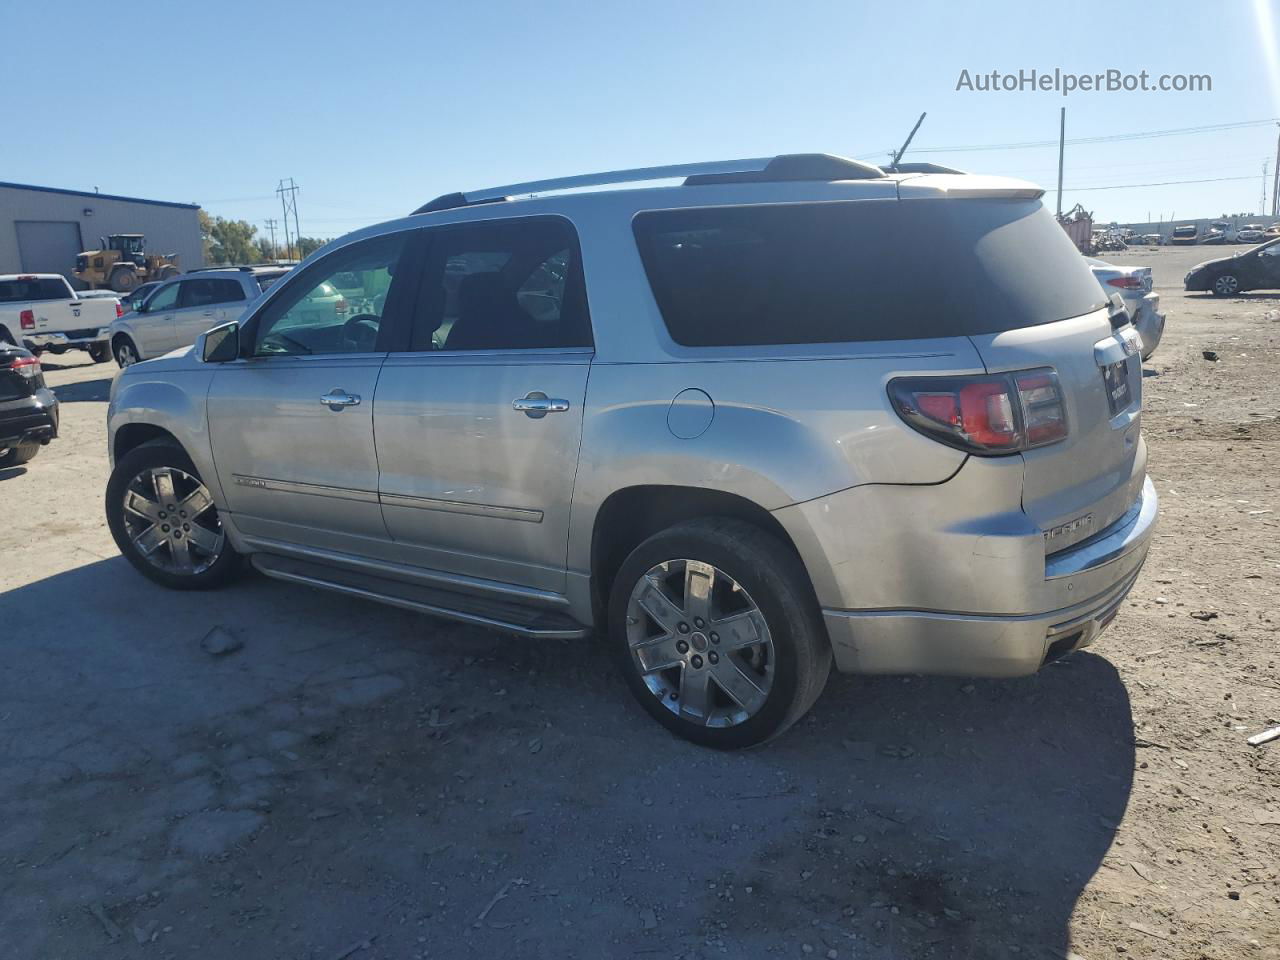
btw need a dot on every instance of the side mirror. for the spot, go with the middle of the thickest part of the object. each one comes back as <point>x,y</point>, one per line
<point>219,345</point>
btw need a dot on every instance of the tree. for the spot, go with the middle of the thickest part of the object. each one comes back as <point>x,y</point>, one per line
<point>228,241</point>
<point>308,245</point>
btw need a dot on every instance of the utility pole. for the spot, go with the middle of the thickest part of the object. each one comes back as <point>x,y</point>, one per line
<point>1262,204</point>
<point>1275,182</point>
<point>1062,146</point>
<point>289,203</point>
<point>271,226</point>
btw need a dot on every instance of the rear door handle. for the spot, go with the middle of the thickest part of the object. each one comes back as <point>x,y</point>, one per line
<point>537,405</point>
<point>337,398</point>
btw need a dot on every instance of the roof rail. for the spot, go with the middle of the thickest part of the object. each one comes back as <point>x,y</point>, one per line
<point>794,166</point>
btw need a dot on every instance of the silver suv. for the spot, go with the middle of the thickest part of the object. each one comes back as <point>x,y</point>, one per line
<point>741,427</point>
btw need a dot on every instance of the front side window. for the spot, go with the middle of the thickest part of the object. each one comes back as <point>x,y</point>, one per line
<point>166,298</point>
<point>312,315</point>
<point>503,285</point>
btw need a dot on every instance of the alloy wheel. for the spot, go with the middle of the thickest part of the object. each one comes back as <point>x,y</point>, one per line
<point>126,355</point>
<point>1226,285</point>
<point>170,519</point>
<point>700,643</point>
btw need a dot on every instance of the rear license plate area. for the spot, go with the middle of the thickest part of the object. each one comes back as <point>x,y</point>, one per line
<point>1115,376</point>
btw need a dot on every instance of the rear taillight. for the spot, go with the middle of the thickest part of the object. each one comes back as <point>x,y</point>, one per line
<point>1126,283</point>
<point>119,310</point>
<point>28,319</point>
<point>28,367</point>
<point>340,308</point>
<point>985,415</point>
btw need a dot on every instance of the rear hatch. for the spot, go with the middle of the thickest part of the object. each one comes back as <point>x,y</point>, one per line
<point>1026,299</point>
<point>1077,487</point>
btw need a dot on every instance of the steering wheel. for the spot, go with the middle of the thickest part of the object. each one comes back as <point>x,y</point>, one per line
<point>361,332</point>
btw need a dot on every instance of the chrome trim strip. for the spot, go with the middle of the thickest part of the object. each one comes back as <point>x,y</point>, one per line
<point>459,506</point>
<point>309,489</point>
<point>460,583</point>
<point>406,604</point>
<point>1127,534</point>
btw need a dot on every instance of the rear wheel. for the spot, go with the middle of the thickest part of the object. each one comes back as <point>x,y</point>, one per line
<point>167,273</point>
<point>19,454</point>
<point>126,353</point>
<point>717,632</point>
<point>1226,285</point>
<point>99,352</point>
<point>164,521</point>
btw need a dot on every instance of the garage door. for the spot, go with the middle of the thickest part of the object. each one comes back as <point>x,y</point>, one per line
<point>48,246</point>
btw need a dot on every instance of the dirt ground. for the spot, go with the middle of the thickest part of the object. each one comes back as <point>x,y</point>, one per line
<point>358,782</point>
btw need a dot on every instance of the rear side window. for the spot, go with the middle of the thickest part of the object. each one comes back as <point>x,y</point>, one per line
<point>18,291</point>
<point>510,284</point>
<point>859,271</point>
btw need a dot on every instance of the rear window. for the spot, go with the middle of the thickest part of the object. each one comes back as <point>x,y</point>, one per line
<point>17,291</point>
<point>863,270</point>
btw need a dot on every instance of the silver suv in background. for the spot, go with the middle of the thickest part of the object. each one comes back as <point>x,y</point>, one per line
<point>743,428</point>
<point>174,313</point>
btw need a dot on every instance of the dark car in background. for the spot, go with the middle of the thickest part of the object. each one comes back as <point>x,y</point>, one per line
<point>28,410</point>
<point>1254,269</point>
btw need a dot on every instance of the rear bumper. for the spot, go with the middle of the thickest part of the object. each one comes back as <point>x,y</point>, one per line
<point>907,587</point>
<point>28,420</point>
<point>1149,322</point>
<point>74,338</point>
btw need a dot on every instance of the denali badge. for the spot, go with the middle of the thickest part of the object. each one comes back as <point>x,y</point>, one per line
<point>1070,527</point>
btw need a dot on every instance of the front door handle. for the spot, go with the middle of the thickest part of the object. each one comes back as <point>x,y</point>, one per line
<point>337,398</point>
<point>208,313</point>
<point>537,405</point>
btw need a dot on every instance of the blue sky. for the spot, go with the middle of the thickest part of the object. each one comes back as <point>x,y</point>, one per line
<point>376,107</point>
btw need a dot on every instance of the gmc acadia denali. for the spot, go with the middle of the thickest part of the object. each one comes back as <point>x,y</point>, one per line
<point>742,427</point>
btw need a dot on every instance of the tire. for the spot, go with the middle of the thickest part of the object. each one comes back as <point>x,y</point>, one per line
<point>7,337</point>
<point>1226,285</point>
<point>167,273</point>
<point>757,583</point>
<point>17,455</point>
<point>154,521</point>
<point>126,352</point>
<point>98,352</point>
<point>123,281</point>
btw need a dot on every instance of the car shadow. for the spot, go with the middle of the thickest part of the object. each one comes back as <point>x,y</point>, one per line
<point>63,364</point>
<point>95,391</point>
<point>903,817</point>
<point>12,473</point>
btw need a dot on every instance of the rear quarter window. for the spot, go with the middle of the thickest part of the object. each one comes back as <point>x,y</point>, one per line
<point>860,271</point>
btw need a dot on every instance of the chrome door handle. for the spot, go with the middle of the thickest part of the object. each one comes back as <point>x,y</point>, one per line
<point>335,399</point>
<point>537,404</point>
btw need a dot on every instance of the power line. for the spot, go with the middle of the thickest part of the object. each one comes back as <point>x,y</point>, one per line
<point>1163,183</point>
<point>1106,138</point>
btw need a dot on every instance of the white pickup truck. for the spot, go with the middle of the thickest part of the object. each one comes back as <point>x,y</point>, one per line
<point>40,311</point>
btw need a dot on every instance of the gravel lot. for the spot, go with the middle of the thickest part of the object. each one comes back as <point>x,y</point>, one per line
<point>359,782</point>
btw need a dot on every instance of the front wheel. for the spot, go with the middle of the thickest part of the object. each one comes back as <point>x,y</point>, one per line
<point>1227,285</point>
<point>717,632</point>
<point>126,352</point>
<point>164,521</point>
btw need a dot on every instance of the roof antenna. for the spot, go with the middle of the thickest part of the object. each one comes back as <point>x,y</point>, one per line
<point>903,149</point>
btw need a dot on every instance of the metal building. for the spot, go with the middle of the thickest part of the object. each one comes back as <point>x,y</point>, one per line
<point>43,228</point>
